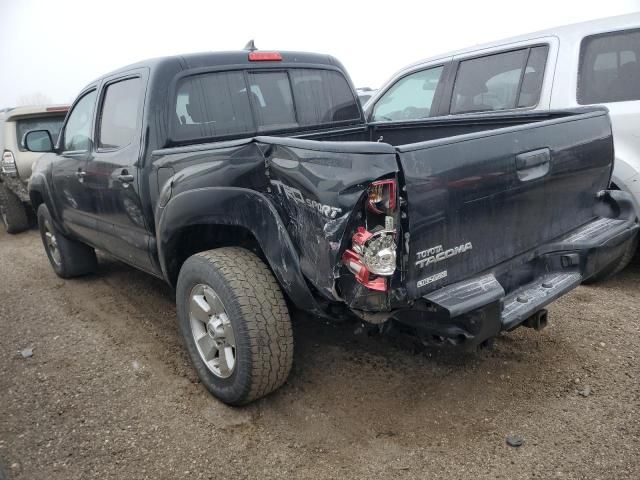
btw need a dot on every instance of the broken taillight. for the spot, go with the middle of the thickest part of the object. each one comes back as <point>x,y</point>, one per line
<point>354,263</point>
<point>372,254</point>
<point>383,196</point>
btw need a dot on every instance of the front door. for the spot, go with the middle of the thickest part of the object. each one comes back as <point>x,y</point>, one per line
<point>73,203</point>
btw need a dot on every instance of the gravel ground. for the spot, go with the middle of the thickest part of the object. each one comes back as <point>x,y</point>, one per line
<point>109,392</point>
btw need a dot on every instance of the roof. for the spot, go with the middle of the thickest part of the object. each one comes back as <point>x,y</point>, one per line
<point>601,25</point>
<point>213,59</point>
<point>32,110</point>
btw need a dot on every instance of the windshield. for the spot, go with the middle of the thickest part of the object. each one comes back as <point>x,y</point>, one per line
<point>53,123</point>
<point>236,103</point>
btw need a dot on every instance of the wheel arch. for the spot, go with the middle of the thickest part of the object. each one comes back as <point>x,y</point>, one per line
<point>206,218</point>
<point>40,193</point>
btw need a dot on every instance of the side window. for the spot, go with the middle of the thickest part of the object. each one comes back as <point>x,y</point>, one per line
<point>609,68</point>
<point>499,82</point>
<point>411,98</point>
<point>119,114</point>
<point>531,85</point>
<point>77,132</point>
<point>488,83</point>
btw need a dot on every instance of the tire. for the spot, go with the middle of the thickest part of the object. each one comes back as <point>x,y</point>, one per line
<point>246,297</point>
<point>69,258</point>
<point>13,212</point>
<point>616,266</point>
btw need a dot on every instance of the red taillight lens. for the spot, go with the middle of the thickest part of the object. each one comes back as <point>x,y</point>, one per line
<point>383,196</point>
<point>361,236</point>
<point>352,261</point>
<point>265,57</point>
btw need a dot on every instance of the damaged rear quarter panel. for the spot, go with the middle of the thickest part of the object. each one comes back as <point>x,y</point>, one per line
<point>317,188</point>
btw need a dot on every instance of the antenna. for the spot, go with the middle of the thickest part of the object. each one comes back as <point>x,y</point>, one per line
<point>251,46</point>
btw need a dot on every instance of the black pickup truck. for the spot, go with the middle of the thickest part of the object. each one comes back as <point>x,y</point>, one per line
<point>247,178</point>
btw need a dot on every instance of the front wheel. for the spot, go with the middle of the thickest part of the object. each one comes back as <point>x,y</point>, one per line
<point>235,324</point>
<point>69,258</point>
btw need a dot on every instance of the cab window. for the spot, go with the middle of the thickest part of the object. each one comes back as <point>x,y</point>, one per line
<point>501,81</point>
<point>224,104</point>
<point>609,68</point>
<point>119,115</point>
<point>411,98</point>
<point>77,132</point>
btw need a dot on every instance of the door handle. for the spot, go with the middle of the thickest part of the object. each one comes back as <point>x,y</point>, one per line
<point>534,164</point>
<point>81,174</point>
<point>125,177</point>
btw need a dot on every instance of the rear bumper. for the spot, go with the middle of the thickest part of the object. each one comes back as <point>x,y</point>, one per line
<point>476,309</point>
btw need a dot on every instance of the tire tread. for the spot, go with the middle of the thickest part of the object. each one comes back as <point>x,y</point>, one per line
<point>15,210</point>
<point>266,315</point>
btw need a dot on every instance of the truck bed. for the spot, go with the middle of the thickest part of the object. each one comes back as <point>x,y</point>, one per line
<point>464,184</point>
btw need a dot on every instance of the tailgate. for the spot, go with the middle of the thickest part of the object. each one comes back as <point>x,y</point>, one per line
<point>478,200</point>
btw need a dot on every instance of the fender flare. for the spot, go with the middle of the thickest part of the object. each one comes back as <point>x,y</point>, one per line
<point>232,206</point>
<point>38,184</point>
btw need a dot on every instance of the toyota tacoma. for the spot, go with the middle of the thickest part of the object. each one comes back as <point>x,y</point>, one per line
<point>251,182</point>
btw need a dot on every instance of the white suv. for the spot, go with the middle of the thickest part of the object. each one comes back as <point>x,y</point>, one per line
<point>590,63</point>
<point>16,161</point>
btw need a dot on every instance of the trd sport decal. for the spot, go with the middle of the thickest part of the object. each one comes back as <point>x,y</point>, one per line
<point>296,195</point>
<point>433,255</point>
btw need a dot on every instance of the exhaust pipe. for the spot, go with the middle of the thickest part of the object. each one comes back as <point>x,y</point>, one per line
<point>538,320</point>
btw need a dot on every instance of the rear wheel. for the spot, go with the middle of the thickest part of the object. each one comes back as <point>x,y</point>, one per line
<point>12,211</point>
<point>235,324</point>
<point>69,258</point>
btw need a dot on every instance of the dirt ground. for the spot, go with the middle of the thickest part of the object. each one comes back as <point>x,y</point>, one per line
<point>109,392</point>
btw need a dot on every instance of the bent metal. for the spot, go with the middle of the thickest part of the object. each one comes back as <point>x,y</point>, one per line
<point>437,254</point>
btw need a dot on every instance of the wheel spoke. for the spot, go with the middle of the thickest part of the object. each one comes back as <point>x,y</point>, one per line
<point>214,301</point>
<point>212,331</point>
<point>226,360</point>
<point>229,336</point>
<point>200,309</point>
<point>207,346</point>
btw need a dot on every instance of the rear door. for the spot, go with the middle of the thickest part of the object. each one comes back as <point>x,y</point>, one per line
<point>112,172</point>
<point>609,74</point>
<point>480,199</point>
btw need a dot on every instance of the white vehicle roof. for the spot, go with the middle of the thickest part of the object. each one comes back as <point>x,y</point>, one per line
<point>34,110</point>
<point>591,27</point>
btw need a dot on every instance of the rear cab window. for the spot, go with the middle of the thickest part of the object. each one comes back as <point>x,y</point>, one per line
<point>609,69</point>
<point>242,102</point>
<point>501,81</point>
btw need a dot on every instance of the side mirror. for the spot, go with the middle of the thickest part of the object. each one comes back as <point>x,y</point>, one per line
<point>38,141</point>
